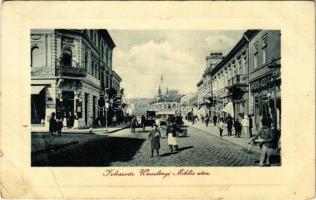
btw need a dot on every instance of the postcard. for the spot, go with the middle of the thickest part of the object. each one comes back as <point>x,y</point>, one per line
<point>158,100</point>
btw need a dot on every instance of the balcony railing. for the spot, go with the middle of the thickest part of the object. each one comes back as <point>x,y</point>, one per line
<point>70,71</point>
<point>238,79</point>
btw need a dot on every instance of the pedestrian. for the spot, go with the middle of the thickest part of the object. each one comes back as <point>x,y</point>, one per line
<point>52,128</point>
<point>142,122</point>
<point>214,120</point>
<point>250,125</point>
<point>171,134</point>
<point>154,137</point>
<point>193,119</point>
<point>114,119</point>
<point>207,120</point>
<point>238,127</point>
<point>245,126</point>
<point>59,126</point>
<point>265,139</point>
<point>202,118</point>
<point>133,124</point>
<point>229,122</point>
<point>90,124</point>
<point>221,126</point>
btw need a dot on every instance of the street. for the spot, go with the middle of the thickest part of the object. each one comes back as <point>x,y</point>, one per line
<point>123,148</point>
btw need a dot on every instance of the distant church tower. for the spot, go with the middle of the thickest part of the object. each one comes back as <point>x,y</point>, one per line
<point>159,90</point>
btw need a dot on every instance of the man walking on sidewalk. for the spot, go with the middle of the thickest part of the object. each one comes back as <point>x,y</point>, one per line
<point>214,120</point>
<point>52,128</point>
<point>229,122</point>
<point>206,120</point>
<point>250,125</point>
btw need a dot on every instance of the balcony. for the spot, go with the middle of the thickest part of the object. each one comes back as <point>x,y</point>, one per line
<point>238,81</point>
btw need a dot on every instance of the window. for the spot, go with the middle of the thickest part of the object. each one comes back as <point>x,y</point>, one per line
<point>244,65</point>
<point>92,68</point>
<point>240,68</point>
<point>255,56</point>
<point>35,53</point>
<point>237,67</point>
<point>86,61</point>
<point>255,60</point>
<point>264,50</point>
<point>264,55</point>
<point>66,59</point>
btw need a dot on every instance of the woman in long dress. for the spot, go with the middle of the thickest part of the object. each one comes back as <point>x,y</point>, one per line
<point>172,141</point>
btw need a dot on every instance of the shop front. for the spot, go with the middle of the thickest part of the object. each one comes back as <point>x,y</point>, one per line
<point>38,104</point>
<point>266,100</point>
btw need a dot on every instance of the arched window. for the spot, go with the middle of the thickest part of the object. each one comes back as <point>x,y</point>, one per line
<point>35,56</point>
<point>66,57</point>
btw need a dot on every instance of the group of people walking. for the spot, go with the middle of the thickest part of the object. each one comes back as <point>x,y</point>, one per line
<point>266,138</point>
<point>242,124</point>
<point>155,135</point>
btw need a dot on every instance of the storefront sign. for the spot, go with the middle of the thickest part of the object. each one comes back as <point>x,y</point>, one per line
<point>262,83</point>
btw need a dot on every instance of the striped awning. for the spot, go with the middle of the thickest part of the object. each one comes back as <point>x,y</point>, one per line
<point>36,89</point>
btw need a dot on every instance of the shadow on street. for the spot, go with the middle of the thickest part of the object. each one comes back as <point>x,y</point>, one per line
<point>97,152</point>
<point>180,149</point>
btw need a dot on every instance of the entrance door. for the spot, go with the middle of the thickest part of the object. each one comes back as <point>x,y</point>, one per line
<point>68,107</point>
<point>38,107</point>
<point>86,108</point>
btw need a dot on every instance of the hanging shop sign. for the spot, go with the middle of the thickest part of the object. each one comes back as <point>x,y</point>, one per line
<point>260,84</point>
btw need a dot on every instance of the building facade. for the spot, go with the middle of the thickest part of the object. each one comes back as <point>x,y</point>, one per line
<point>230,79</point>
<point>265,77</point>
<point>70,70</point>
<point>205,84</point>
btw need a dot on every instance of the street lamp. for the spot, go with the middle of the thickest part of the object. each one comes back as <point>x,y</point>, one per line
<point>275,68</point>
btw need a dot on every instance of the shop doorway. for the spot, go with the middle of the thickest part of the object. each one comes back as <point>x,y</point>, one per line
<point>68,107</point>
<point>86,108</point>
<point>38,107</point>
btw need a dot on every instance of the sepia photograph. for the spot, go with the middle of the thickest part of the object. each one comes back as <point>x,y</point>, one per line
<point>158,98</point>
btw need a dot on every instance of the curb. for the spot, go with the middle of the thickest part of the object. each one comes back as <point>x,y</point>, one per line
<point>82,132</point>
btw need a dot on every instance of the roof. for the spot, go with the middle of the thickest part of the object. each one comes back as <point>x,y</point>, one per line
<point>249,34</point>
<point>108,38</point>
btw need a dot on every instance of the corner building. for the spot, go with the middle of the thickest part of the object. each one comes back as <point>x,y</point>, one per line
<point>70,70</point>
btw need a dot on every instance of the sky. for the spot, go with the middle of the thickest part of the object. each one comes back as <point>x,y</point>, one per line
<point>141,57</point>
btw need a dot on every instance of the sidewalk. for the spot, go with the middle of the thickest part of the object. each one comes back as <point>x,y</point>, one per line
<point>214,130</point>
<point>41,138</point>
<point>43,129</point>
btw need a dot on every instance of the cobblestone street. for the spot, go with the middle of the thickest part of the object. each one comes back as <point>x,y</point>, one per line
<point>124,148</point>
<point>198,149</point>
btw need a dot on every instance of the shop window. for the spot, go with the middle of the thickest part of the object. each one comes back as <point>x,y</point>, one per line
<point>35,55</point>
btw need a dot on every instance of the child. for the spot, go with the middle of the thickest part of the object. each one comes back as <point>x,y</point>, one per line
<point>221,126</point>
<point>154,137</point>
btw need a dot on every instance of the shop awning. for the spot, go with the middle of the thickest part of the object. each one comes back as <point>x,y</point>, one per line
<point>229,108</point>
<point>36,89</point>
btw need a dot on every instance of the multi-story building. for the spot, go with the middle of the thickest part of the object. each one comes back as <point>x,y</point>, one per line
<point>70,70</point>
<point>230,78</point>
<point>205,84</point>
<point>265,79</point>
